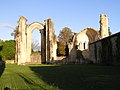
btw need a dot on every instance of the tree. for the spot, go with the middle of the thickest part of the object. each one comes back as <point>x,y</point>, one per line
<point>63,38</point>
<point>35,46</point>
<point>15,32</point>
<point>8,49</point>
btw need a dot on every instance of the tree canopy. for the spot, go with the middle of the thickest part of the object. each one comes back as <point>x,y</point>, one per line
<point>7,49</point>
<point>63,38</point>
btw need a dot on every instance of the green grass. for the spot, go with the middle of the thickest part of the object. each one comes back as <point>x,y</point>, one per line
<point>22,77</point>
<point>64,77</point>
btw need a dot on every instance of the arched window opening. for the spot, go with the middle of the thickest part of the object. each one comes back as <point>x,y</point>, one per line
<point>84,45</point>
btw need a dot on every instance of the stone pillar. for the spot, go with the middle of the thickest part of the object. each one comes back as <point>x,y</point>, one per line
<point>21,41</point>
<point>47,41</point>
<point>17,47</point>
<point>51,30</point>
<point>28,46</point>
<point>43,46</point>
<point>51,44</point>
<point>104,31</point>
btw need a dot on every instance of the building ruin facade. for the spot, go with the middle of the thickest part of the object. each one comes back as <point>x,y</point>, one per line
<point>23,41</point>
<point>87,36</point>
<point>49,43</point>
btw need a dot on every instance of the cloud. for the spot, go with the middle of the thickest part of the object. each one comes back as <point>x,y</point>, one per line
<point>8,26</point>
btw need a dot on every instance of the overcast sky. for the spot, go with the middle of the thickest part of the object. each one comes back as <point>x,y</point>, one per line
<point>75,14</point>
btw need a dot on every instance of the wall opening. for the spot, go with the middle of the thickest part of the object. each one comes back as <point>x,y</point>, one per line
<point>36,46</point>
<point>84,45</point>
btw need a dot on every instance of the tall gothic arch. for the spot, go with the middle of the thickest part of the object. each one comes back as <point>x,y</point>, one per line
<point>23,41</point>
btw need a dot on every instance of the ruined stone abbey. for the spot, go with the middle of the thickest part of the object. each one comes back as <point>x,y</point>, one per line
<point>82,40</point>
<point>87,36</point>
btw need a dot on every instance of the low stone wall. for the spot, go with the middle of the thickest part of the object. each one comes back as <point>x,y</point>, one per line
<point>9,61</point>
<point>35,59</point>
<point>106,51</point>
<point>60,57</point>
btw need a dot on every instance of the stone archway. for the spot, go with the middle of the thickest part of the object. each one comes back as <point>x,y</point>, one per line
<point>29,31</point>
<point>23,41</point>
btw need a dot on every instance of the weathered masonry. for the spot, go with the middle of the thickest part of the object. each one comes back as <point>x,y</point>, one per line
<point>106,50</point>
<point>88,35</point>
<point>23,41</point>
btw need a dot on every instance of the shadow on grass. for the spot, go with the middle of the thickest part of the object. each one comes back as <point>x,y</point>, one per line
<point>74,77</point>
<point>59,76</point>
<point>2,66</point>
<point>2,63</point>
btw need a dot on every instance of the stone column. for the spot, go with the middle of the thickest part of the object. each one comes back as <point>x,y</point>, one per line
<point>28,46</point>
<point>104,30</point>
<point>43,46</point>
<point>21,40</point>
<point>47,41</point>
<point>51,44</point>
<point>17,54</point>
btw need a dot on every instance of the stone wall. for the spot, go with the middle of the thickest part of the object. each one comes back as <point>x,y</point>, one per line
<point>106,51</point>
<point>35,58</point>
<point>9,61</point>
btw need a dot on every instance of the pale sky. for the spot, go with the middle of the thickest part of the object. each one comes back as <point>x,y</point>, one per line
<point>75,14</point>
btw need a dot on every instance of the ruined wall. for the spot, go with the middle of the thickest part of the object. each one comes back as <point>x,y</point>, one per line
<point>23,41</point>
<point>51,42</point>
<point>106,51</point>
<point>90,35</point>
<point>72,49</point>
<point>82,40</point>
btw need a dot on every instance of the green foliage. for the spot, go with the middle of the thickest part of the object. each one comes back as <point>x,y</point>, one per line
<point>8,49</point>
<point>63,38</point>
<point>15,32</point>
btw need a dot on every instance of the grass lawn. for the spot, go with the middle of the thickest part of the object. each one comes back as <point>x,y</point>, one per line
<point>63,77</point>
